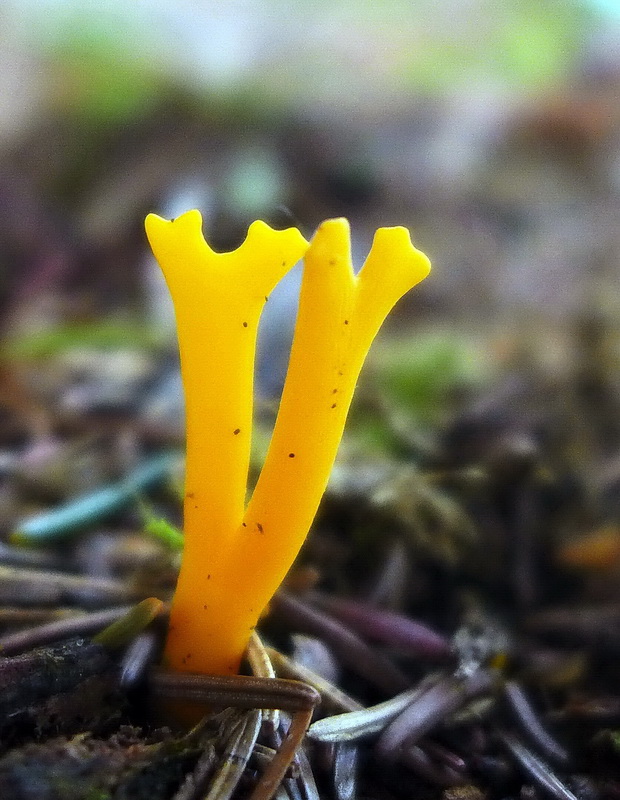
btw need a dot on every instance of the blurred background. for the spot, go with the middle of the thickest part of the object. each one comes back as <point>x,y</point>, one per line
<point>491,130</point>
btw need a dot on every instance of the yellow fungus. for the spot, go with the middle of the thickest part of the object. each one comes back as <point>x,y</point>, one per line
<point>218,298</point>
<point>234,561</point>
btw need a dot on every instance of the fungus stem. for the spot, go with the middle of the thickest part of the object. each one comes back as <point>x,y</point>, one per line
<point>218,298</point>
<point>339,316</point>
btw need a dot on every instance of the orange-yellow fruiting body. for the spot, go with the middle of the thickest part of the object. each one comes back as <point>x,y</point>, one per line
<point>218,299</point>
<point>339,316</point>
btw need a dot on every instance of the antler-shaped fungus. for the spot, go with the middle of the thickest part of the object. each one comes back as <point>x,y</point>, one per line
<point>234,561</point>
